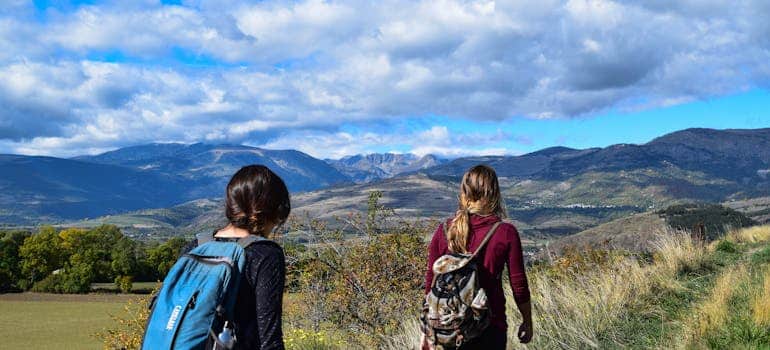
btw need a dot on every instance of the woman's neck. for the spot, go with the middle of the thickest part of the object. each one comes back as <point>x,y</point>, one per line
<point>232,231</point>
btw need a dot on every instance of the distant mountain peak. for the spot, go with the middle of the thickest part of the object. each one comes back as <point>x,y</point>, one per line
<point>209,166</point>
<point>375,166</point>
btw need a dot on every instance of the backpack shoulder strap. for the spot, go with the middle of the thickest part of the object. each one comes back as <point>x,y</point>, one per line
<point>244,242</point>
<point>486,239</point>
<point>248,240</point>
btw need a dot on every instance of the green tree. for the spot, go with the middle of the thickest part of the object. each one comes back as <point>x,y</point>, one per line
<point>10,260</point>
<point>41,254</point>
<point>97,255</point>
<point>163,256</point>
<point>124,263</point>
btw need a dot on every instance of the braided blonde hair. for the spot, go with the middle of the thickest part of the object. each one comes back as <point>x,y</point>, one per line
<point>479,194</point>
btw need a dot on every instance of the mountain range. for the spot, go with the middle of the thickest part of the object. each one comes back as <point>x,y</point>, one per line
<point>49,189</point>
<point>364,168</point>
<point>554,191</point>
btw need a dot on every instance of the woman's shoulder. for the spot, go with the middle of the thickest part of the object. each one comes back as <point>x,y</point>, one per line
<point>508,228</point>
<point>267,246</point>
<point>264,249</point>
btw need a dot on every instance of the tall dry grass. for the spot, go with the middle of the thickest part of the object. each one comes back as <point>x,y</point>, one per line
<point>575,310</point>
<point>754,234</point>
<point>713,312</point>
<point>676,252</point>
<point>408,338</point>
<point>760,306</point>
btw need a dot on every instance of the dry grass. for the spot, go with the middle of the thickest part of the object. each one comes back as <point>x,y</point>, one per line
<point>407,338</point>
<point>676,252</point>
<point>760,306</point>
<point>712,313</point>
<point>753,234</point>
<point>573,311</point>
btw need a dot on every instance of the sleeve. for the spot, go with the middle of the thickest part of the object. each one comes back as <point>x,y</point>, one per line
<point>516,272</point>
<point>433,254</point>
<point>270,276</point>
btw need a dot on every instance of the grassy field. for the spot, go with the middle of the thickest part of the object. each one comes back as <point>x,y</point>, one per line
<point>54,321</point>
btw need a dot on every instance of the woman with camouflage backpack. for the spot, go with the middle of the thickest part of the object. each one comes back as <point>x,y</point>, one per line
<point>464,305</point>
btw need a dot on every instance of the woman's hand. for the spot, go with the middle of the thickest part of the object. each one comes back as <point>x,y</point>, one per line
<point>525,332</point>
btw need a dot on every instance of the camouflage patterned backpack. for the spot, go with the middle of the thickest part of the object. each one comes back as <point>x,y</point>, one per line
<point>455,309</point>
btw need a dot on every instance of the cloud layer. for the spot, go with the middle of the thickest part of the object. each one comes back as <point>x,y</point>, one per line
<point>78,79</point>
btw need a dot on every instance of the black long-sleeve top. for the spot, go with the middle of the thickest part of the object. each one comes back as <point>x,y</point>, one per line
<point>259,302</point>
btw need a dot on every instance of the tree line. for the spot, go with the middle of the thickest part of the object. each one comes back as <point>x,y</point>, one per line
<point>70,260</point>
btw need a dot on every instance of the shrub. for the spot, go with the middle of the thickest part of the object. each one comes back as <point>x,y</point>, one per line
<point>727,246</point>
<point>124,283</point>
<point>75,279</point>
<point>366,284</point>
<point>127,329</point>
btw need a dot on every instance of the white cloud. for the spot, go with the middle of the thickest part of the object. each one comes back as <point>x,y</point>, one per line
<point>436,140</point>
<point>303,68</point>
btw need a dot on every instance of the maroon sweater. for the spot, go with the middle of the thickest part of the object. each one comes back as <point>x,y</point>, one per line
<point>503,248</point>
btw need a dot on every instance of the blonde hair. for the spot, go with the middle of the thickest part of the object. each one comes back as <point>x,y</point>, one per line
<point>479,194</point>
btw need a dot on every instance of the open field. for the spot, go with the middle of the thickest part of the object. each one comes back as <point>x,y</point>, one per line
<point>56,321</point>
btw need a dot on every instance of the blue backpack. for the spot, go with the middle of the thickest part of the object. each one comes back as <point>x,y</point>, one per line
<point>197,299</point>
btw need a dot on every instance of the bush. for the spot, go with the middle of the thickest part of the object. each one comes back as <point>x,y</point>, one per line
<point>727,246</point>
<point>127,329</point>
<point>124,283</point>
<point>366,284</point>
<point>73,280</point>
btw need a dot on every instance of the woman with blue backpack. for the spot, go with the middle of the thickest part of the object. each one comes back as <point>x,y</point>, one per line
<point>226,290</point>
<point>464,305</point>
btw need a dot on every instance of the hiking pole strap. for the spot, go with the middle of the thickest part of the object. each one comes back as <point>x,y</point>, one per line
<point>486,239</point>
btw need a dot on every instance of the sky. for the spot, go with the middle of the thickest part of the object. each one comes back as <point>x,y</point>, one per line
<point>336,78</point>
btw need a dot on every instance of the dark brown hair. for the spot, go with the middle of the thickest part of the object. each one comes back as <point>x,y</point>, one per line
<point>479,194</point>
<point>256,196</point>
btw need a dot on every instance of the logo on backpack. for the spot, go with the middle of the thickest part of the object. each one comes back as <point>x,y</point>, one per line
<point>174,316</point>
<point>455,309</point>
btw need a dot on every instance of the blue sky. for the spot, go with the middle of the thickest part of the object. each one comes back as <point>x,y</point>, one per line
<point>334,78</point>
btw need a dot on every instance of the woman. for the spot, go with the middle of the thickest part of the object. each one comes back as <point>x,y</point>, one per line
<point>479,209</point>
<point>257,203</point>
